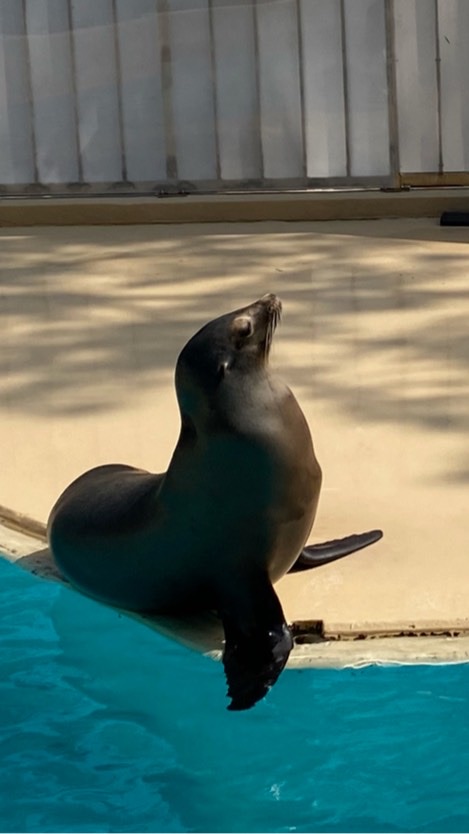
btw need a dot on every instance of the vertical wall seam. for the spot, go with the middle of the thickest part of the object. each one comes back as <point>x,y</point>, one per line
<point>393,114</point>
<point>255,22</point>
<point>302,90</point>
<point>164,30</point>
<point>29,82</point>
<point>438,88</point>
<point>213,76</point>
<point>345,84</point>
<point>120,111</point>
<point>73,68</point>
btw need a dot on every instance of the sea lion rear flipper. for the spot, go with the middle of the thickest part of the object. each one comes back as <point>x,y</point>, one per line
<point>315,555</point>
<point>257,651</point>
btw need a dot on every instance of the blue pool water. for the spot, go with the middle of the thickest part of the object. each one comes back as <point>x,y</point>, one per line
<point>105,726</point>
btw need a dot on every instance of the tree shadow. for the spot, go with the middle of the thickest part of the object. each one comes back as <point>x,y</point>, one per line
<point>90,316</point>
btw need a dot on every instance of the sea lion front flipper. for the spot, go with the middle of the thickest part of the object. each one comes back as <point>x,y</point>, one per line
<point>256,649</point>
<point>315,555</point>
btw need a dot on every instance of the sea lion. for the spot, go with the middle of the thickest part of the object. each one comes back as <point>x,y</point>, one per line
<point>229,517</point>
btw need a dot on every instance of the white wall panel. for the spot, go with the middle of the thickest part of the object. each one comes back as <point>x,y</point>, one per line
<point>192,89</point>
<point>416,85</point>
<point>280,98</point>
<point>367,87</point>
<point>236,90</point>
<point>97,93</point>
<point>150,91</point>
<point>55,127</point>
<point>454,51</point>
<point>142,102</point>
<point>323,88</point>
<point>16,147</point>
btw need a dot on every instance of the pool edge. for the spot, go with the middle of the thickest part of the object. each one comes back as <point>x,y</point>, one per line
<point>201,635</point>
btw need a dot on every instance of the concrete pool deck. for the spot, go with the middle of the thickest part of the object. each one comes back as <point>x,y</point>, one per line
<point>373,343</point>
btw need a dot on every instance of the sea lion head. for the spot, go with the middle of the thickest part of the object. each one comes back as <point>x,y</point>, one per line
<point>225,352</point>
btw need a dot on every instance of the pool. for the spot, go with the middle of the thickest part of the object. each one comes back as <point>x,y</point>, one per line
<point>106,726</point>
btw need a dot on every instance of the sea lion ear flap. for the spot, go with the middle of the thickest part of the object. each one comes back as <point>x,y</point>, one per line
<point>242,327</point>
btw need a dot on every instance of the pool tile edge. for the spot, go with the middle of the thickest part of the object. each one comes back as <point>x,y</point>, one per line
<point>338,653</point>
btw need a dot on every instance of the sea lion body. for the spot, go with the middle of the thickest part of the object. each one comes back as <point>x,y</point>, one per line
<point>229,517</point>
<point>239,501</point>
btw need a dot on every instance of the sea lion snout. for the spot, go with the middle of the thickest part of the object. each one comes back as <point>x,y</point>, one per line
<point>272,302</point>
<point>269,306</point>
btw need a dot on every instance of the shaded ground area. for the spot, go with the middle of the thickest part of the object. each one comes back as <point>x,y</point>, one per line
<point>373,342</point>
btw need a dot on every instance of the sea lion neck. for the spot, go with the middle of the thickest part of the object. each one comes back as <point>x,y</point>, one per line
<point>236,402</point>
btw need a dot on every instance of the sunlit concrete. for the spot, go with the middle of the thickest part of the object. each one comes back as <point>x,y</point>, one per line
<point>373,342</point>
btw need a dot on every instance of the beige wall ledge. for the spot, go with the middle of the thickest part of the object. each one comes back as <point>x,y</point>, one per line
<point>195,208</point>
